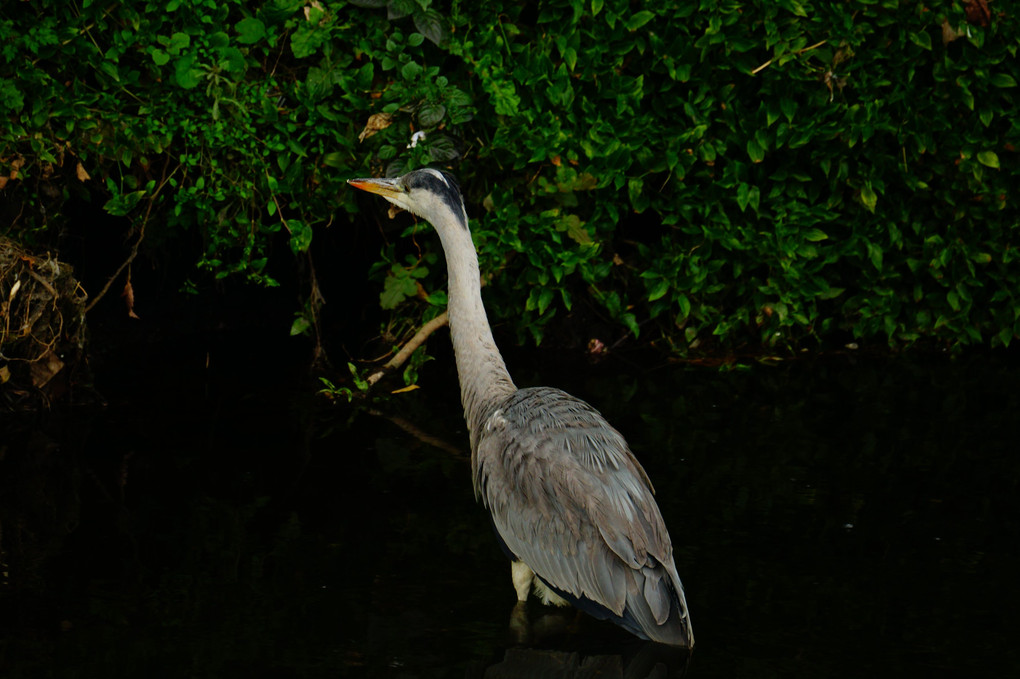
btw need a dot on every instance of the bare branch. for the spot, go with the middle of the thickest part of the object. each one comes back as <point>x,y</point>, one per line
<point>408,349</point>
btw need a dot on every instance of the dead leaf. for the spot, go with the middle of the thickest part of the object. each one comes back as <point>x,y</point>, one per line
<point>15,167</point>
<point>949,34</point>
<point>376,122</point>
<point>83,176</point>
<point>129,298</point>
<point>314,4</point>
<point>43,371</point>
<point>978,12</point>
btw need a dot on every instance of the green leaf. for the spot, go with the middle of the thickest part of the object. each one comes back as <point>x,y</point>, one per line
<point>308,38</point>
<point>638,199</point>
<point>231,60</point>
<point>815,235</point>
<point>11,97</point>
<point>954,300</point>
<point>748,195</point>
<point>570,57</point>
<point>121,204</point>
<point>300,326</point>
<point>504,96</point>
<point>1003,80</point>
<point>875,255</point>
<point>250,30</point>
<point>596,7</point>
<point>630,321</point>
<point>988,159</point>
<point>178,42</point>
<point>638,20</point>
<point>430,115</point>
<point>659,290</point>
<point>755,151</point>
<point>395,291</point>
<point>868,197</point>
<point>793,6</point>
<point>398,9</point>
<point>186,74</point>
<point>431,24</point>
<point>921,39</point>
<point>334,160</point>
<point>300,236</point>
<point>411,70</point>
<point>218,39</point>
<point>685,306</point>
<point>545,297</point>
<point>159,57</point>
<point>360,383</point>
<point>565,296</point>
<point>789,108</point>
<point>442,149</point>
<point>743,191</point>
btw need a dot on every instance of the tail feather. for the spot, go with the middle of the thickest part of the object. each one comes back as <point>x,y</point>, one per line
<point>638,616</point>
<point>659,607</point>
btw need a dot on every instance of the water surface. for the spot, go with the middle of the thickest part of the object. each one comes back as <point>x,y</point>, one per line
<point>839,517</point>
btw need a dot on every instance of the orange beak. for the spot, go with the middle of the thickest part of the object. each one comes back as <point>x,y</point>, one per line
<point>382,187</point>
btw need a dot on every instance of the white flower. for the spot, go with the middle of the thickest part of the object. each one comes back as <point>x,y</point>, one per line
<point>415,138</point>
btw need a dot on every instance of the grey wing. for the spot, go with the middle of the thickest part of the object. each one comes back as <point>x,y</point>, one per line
<point>570,500</point>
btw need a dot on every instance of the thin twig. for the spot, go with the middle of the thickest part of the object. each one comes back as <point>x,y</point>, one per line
<point>43,282</point>
<point>408,349</point>
<point>801,51</point>
<point>421,435</point>
<point>126,263</point>
<point>141,236</point>
<point>315,302</point>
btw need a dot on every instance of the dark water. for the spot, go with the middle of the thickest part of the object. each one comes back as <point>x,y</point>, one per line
<point>832,518</point>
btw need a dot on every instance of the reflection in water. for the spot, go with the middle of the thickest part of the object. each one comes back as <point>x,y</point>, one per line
<point>650,661</point>
<point>832,518</point>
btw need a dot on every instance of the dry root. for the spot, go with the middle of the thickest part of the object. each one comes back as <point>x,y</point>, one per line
<point>42,328</point>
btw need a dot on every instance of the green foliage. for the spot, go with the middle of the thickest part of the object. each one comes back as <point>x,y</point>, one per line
<point>798,168</point>
<point>335,393</point>
<point>712,175</point>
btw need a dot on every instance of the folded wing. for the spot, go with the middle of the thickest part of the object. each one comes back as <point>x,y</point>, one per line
<point>569,499</point>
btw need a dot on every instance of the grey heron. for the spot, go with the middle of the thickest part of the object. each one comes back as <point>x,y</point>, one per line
<point>571,505</point>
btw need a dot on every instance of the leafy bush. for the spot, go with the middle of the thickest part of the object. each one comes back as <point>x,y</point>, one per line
<point>799,168</point>
<point>734,173</point>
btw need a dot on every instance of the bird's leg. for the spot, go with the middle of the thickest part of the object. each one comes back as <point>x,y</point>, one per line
<point>547,596</point>
<point>523,577</point>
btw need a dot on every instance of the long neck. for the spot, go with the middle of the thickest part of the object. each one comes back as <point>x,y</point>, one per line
<point>484,380</point>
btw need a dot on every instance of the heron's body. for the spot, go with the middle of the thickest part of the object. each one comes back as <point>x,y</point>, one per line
<point>573,508</point>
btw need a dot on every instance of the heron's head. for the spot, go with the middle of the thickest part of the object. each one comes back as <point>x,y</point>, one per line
<point>428,193</point>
